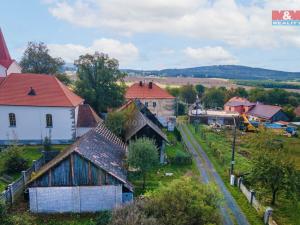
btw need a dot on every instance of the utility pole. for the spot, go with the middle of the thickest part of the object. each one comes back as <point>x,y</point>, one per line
<point>233,148</point>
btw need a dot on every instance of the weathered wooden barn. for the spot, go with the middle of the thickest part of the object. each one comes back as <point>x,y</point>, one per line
<point>87,177</point>
<point>142,123</point>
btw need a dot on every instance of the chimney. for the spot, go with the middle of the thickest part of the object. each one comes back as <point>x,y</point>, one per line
<point>150,85</point>
<point>141,83</point>
<point>31,92</point>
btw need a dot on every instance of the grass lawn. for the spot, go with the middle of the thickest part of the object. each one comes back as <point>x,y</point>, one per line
<point>158,176</point>
<point>28,152</point>
<point>285,211</point>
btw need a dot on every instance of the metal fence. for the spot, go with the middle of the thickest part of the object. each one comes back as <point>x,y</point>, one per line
<point>250,195</point>
<point>16,189</point>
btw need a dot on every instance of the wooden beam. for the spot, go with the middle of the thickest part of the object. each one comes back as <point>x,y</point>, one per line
<point>89,173</point>
<point>72,169</point>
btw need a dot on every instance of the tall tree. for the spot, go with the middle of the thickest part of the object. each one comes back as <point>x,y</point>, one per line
<point>200,90</point>
<point>214,97</point>
<point>36,59</point>
<point>100,82</point>
<point>272,169</point>
<point>143,155</point>
<point>188,93</point>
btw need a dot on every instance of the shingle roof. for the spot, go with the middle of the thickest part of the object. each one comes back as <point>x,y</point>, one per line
<point>143,109</point>
<point>87,117</point>
<point>142,92</point>
<point>101,147</point>
<point>264,111</point>
<point>137,121</point>
<point>239,101</point>
<point>49,91</point>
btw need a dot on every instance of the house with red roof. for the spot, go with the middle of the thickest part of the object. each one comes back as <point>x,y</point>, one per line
<point>239,105</point>
<point>267,113</point>
<point>36,106</point>
<point>7,64</point>
<point>155,98</point>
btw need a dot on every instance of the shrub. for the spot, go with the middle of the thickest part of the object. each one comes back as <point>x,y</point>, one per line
<point>177,134</point>
<point>181,158</point>
<point>3,212</point>
<point>103,219</point>
<point>15,162</point>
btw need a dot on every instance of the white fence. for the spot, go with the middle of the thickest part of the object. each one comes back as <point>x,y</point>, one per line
<point>250,195</point>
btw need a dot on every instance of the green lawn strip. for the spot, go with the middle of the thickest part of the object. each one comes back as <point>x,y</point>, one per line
<point>241,200</point>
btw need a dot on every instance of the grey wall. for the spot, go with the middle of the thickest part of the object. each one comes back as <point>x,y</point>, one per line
<point>74,199</point>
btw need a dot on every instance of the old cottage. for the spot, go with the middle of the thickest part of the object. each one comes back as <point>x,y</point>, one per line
<point>87,177</point>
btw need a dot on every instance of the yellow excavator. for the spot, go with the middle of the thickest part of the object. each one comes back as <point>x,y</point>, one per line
<point>248,125</point>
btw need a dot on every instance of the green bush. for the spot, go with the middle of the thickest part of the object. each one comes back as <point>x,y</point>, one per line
<point>181,158</point>
<point>177,134</point>
<point>3,212</point>
<point>15,162</point>
<point>104,218</point>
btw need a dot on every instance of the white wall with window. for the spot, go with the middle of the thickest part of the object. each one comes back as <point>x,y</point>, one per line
<point>30,125</point>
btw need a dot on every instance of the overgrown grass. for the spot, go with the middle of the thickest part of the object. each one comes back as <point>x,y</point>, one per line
<point>286,211</point>
<point>30,153</point>
<point>158,176</point>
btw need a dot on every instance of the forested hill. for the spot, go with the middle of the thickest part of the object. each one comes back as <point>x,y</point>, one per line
<point>222,71</point>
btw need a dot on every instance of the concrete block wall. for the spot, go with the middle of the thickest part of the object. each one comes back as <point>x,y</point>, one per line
<point>74,199</point>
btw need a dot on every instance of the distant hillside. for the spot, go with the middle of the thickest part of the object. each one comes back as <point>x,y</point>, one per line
<point>222,71</point>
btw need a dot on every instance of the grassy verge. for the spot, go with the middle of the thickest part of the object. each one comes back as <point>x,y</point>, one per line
<point>286,211</point>
<point>30,153</point>
<point>222,170</point>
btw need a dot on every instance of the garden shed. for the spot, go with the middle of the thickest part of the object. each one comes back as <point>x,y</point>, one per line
<point>89,176</point>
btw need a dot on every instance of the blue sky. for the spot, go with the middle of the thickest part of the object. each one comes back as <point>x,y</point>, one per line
<point>157,34</point>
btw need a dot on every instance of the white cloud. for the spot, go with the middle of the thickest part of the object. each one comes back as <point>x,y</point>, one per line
<point>126,53</point>
<point>209,56</point>
<point>222,20</point>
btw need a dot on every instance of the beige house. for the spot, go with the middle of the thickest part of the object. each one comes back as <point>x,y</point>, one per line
<point>157,100</point>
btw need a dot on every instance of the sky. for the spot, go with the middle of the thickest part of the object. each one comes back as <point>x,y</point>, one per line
<point>157,34</point>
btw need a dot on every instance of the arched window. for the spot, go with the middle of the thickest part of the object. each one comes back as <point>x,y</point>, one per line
<point>49,121</point>
<point>12,119</point>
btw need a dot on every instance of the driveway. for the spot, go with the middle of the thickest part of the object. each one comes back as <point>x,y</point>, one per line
<point>230,211</point>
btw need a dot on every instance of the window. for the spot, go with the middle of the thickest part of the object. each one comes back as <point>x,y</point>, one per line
<point>12,119</point>
<point>49,122</point>
<point>146,104</point>
<point>154,104</point>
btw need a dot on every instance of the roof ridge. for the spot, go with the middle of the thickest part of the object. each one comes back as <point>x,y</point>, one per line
<point>62,88</point>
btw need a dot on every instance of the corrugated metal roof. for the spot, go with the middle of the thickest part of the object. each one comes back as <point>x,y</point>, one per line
<point>264,111</point>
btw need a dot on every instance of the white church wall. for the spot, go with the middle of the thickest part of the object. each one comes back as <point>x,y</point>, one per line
<point>2,71</point>
<point>14,68</point>
<point>31,124</point>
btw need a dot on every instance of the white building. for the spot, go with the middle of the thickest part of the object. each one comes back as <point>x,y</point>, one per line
<point>7,64</point>
<point>36,106</point>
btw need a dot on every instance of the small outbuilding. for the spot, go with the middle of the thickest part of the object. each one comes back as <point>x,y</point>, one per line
<point>89,176</point>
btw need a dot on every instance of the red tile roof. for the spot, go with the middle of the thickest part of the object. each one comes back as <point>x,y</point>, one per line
<point>87,117</point>
<point>239,101</point>
<point>5,59</point>
<point>49,91</point>
<point>264,111</point>
<point>142,92</point>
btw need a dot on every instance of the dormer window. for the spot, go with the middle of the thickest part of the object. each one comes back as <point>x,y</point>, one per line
<point>31,92</point>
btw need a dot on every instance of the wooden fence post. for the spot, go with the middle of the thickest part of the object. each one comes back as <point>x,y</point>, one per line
<point>252,195</point>
<point>240,180</point>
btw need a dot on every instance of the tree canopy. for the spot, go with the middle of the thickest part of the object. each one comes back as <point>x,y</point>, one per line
<point>100,82</point>
<point>36,59</point>
<point>143,155</point>
<point>181,202</point>
<point>214,97</point>
<point>188,93</point>
<point>272,170</point>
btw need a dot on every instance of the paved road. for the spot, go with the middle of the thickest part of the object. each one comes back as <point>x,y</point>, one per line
<point>230,211</point>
